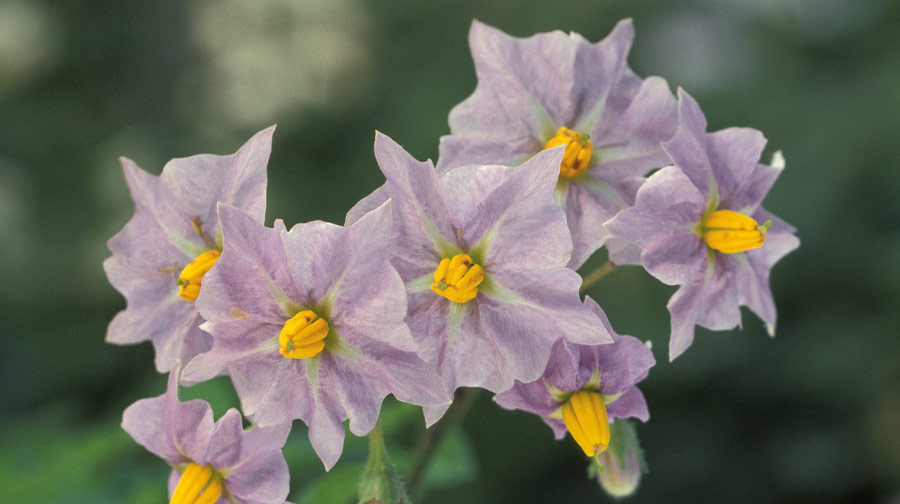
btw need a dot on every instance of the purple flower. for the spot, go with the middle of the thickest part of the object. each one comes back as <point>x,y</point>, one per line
<point>161,255</point>
<point>218,460</point>
<point>605,375</point>
<point>556,89</point>
<point>309,324</point>
<point>483,253</point>
<point>700,225</point>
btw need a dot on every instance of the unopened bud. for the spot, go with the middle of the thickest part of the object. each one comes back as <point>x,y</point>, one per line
<point>619,468</point>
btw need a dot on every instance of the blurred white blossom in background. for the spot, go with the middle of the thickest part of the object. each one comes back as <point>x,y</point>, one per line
<point>267,60</point>
<point>30,35</point>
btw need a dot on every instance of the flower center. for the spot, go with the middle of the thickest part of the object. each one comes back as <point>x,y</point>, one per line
<point>303,335</point>
<point>457,279</point>
<point>189,280</point>
<point>578,151</point>
<point>585,417</point>
<point>729,232</point>
<point>198,485</point>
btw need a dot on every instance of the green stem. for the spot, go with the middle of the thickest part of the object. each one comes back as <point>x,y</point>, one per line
<point>432,437</point>
<point>377,451</point>
<point>379,481</point>
<point>596,275</point>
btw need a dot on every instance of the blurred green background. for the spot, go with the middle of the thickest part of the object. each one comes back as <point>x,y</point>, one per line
<point>810,416</point>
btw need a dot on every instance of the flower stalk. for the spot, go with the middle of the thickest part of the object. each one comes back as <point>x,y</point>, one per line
<point>380,483</point>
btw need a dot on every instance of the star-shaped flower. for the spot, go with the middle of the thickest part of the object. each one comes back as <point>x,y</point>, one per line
<point>556,89</point>
<point>585,387</point>
<point>483,252</point>
<point>700,225</point>
<point>309,324</point>
<point>212,462</point>
<point>160,256</point>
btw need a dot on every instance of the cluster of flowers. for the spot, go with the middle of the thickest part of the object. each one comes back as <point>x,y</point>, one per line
<point>459,275</point>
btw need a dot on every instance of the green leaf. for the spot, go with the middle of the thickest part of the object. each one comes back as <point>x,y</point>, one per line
<point>98,464</point>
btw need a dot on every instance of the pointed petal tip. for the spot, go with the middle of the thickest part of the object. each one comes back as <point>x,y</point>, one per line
<point>386,142</point>
<point>675,351</point>
<point>478,29</point>
<point>691,120</point>
<point>189,374</point>
<point>131,169</point>
<point>266,131</point>
<point>547,160</point>
<point>263,136</point>
<point>680,339</point>
<point>329,458</point>
<point>627,25</point>
<point>778,161</point>
<point>687,104</point>
<point>434,413</point>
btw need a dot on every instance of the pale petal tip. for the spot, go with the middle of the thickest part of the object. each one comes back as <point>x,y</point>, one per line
<point>770,328</point>
<point>128,166</point>
<point>477,28</point>
<point>434,413</point>
<point>676,348</point>
<point>626,23</point>
<point>778,161</point>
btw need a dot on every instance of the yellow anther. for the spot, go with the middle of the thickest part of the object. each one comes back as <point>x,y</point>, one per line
<point>303,335</point>
<point>198,485</point>
<point>729,232</point>
<point>190,278</point>
<point>457,279</point>
<point>585,417</point>
<point>578,151</point>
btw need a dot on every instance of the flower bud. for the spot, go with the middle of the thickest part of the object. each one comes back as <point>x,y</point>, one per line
<point>619,468</point>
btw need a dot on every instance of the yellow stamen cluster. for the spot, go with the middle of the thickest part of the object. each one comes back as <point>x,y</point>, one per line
<point>729,232</point>
<point>303,335</point>
<point>198,485</point>
<point>190,278</point>
<point>585,417</point>
<point>457,279</point>
<point>578,151</point>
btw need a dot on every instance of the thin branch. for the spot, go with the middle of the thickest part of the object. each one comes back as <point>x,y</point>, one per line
<point>596,275</point>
